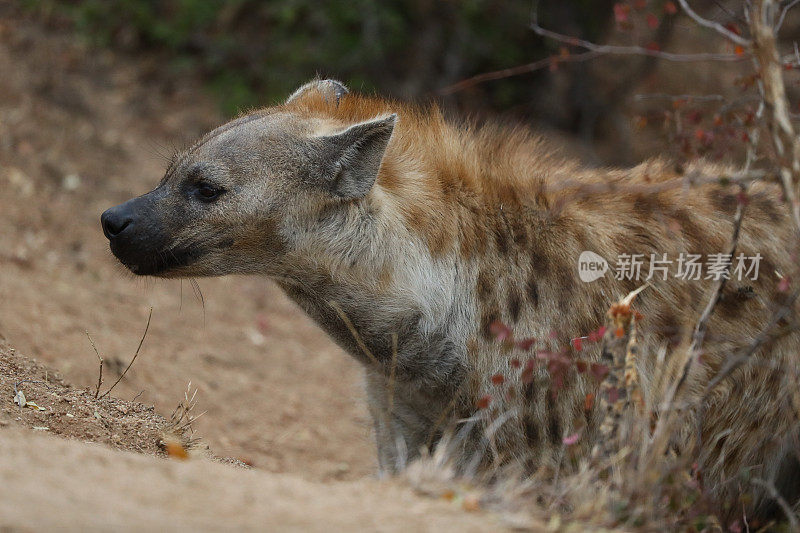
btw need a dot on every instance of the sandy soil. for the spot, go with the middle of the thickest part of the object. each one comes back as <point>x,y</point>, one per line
<point>145,476</point>
<point>72,490</point>
<point>81,130</point>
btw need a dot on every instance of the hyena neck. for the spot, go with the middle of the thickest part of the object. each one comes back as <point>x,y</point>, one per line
<point>375,289</point>
<point>514,236</point>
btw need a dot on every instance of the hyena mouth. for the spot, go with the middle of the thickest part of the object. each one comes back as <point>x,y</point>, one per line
<point>160,263</point>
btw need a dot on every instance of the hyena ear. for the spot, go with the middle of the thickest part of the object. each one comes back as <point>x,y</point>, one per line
<point>331,90</point>
<point>353,157</point>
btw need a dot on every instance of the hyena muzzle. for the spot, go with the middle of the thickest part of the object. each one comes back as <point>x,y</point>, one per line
<point>409,239</point>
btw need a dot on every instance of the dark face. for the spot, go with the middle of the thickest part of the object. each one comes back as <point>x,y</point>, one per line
<point>140,240</point>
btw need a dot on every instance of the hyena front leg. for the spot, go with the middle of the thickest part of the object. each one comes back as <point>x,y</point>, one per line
<point>403,424</point>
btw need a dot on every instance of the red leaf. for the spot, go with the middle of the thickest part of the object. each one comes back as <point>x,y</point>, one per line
<point>733,28</point>
<point>525,344</point>
<point>742,198</point>
<point>515,363</point>
<point>694,116</point>
<point>652,21</point>
<point>588,402</point>
<point>653,46</point>
<point>483,403</point>
<point>500,331</point>
<point>599,371</point>
<point>581,366</point>
<point>783,285</point>
<point>557,381</point>
<point>598,335</point>
<point>527,375</point>
<point>498,379</point>
<point>738,50</point>
<point>670,8</point>
<point>621,12</point>
<point>577,343</point>
<point>572,439</point>
<point>613,395</point>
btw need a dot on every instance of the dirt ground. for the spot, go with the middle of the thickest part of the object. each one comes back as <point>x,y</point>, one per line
<point>73,462</point>
<point>81,130</point>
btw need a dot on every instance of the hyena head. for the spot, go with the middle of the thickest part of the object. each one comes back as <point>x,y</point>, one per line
<point>227,204</point>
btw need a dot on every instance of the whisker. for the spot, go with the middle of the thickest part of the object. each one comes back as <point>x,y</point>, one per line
<point>199,293</point>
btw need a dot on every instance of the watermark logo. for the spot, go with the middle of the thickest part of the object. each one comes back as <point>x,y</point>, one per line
<point>591,266</point>
<point>693,267</point>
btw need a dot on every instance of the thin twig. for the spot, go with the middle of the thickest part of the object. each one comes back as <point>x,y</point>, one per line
<point>608,49</point>
<point>516,71</point>
<point>147,327</point>
<point>784,139</point>
<point>681,97</point>
<point>788,6</point>
<point>353,332</point>
<point>773,492</point>
<point>702,324</point>
<point>100,376</point>
<point>633,50</point>
<point>716,26</point>
<point>593,50</point>
<point>733,363</point>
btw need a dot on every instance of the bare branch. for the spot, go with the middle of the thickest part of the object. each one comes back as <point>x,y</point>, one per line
<point>702,324</point>
<point>633,50</point>
<point>593,50</point>
<point>99,377</point>
<point>785,507</point>
<point>732,363</point>
<point>681,97</point>
<point>785,10</point>
<point>141,341</point>
<point>716,26</point>
<point>516,71</point>
<point>784,138</point>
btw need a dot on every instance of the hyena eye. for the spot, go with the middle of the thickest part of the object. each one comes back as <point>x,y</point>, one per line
<point>207,192</point>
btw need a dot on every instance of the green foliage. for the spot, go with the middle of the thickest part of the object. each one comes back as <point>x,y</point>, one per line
<point>254,52</point>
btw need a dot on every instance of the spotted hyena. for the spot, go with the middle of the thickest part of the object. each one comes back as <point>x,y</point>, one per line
<point>412,240</point>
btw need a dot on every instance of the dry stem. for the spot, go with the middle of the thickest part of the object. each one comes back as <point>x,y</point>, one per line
<point>146,328</point>
<point>784,139</point>
<point>100,376</point>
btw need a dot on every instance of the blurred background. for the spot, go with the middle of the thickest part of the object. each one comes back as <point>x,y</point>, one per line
<point>249,53</point>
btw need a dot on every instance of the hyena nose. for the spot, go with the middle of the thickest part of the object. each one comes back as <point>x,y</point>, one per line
<point>114,221</point>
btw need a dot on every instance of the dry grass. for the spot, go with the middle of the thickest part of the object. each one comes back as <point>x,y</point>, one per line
<point>633,478</point>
